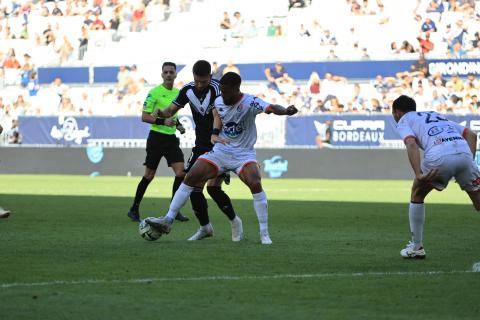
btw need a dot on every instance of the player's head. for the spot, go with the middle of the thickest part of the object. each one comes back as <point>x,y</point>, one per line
<point>402,105</point>
<point>169,72</point>
<point>230,87</point>
<point>202,74</point>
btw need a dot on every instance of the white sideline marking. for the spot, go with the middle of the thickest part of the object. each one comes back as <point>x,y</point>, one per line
<point>233,278</point>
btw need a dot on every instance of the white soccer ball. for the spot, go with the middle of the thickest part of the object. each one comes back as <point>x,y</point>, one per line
<point>147,232</point>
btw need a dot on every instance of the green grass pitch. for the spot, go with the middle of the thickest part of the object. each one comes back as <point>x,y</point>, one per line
<point>68,251</point>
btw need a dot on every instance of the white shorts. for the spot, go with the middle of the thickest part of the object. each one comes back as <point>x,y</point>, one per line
<point>460,165</point>
<point>228,161</point>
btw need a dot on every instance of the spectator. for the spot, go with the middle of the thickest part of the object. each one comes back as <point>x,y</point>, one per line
<point>231,68</point>
<point>271,29</point>
<point>303,32</point>
<point>332,55</point>
<point>225,25</point>
<point>13,134</point>
<point>426,45</point>
<point>314,83</point>
<point>429,26</point>
<point>65,50</point>
<point>217,71</point>
<point>11,61</point>
<point>56,10</point>
<point>83,46</point>
<point>272,74</point>
<point>328,38</point>
<point>33,85</point>
<point>252,31</point>
<point>139,20</point>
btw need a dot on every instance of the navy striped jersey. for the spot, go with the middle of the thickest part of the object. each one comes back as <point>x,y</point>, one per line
<point>201,104</point>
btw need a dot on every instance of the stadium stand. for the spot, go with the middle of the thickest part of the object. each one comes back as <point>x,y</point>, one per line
<point>37,37</point>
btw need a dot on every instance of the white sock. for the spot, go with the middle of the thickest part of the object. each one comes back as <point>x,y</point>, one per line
<point>179,199</point>
<point>416,215</point>
<point>261,208</point>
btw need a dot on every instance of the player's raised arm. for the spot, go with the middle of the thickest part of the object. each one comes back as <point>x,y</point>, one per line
<point>281,111</point>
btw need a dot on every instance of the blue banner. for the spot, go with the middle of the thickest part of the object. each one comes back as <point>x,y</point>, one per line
<point>368,131</point>
<point>71,130</point>
<point>298,70</point>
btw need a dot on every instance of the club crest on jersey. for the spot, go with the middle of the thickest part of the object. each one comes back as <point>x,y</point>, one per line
<point>232,129</point>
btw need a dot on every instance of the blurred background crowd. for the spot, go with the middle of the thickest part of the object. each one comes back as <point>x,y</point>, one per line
<point>137,33</point>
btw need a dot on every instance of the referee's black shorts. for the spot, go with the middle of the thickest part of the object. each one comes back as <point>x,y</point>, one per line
<point>161,145</point>
<point>196,152</point>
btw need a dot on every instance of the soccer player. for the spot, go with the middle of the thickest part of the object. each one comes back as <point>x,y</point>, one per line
<point>449,150</point>
<point>161,141</point>
<point>234,136</point>
<point>200,95</point>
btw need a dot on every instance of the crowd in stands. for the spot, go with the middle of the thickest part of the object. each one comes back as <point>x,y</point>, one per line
<point>46,33</point>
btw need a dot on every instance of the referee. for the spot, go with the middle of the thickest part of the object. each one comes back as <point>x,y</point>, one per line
<point>161,141</point>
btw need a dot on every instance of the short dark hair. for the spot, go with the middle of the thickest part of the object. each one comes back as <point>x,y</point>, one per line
<point>231,79</point>
<point>404,103</point>
<point>169,64</point>
<point>202,68</point>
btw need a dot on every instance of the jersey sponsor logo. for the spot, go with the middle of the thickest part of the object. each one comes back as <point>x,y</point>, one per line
<point>233,129</point>
<point>436,130</point>
<point>275,167</point>
<point>448,139</point>
<point>255,104</point>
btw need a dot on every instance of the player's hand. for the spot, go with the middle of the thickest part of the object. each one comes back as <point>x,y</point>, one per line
<point>291,110</point>
<point>181,128</point>
<point>217,139</point>
<point>428,177</point>
<point>170,122</point>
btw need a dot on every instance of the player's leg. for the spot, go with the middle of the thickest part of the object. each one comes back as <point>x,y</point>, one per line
<point>416,211</point>
<point>249,173</point>
<point>469,179</point>
<point>175,160</point>
<point>197,198</point>
<point>179,170</point>
<point>214,189</point>
<point>195,178</point>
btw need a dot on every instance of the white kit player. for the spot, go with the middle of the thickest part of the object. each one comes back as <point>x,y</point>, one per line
<point>234,136</point>
<point>449,150</point>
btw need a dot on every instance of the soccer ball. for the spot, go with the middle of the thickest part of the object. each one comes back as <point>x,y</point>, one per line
<point>147,232</point>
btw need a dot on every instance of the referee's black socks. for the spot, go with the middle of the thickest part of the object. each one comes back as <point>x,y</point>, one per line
<point>141,188</point>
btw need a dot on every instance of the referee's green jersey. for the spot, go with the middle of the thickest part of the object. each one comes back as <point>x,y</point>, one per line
<point>160,97</point>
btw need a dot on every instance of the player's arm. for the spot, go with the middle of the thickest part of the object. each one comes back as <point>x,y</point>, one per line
<point>151,117</point>
<point>217,127</point>
<point>471,138</point>
<point>281,111</point>
<point>413,152</point>
<point>167,112</point>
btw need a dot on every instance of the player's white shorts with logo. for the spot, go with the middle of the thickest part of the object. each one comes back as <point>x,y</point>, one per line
<point>226,160</point>
<point>460,165</point>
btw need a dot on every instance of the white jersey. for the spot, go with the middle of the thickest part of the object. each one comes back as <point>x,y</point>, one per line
<point>238,121</point>
<point>435,135</point>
